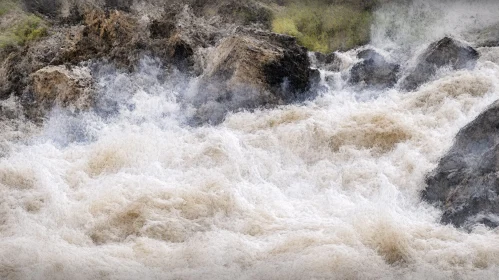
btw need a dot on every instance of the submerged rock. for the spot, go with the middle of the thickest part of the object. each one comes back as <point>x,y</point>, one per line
<point>465,185</point>
<point>447,52</point>
<point>63,86</point>
<point>251,69</point>
<point>374,71</point>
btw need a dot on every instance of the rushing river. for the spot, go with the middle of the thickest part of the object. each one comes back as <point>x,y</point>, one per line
<point>325,189</point>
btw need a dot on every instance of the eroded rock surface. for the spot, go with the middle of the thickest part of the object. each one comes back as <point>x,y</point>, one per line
<point>465,185</point>
<point>250,69</point>
<point>63,86</point>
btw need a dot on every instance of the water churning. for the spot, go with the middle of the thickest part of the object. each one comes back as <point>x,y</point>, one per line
<point>324,189</point>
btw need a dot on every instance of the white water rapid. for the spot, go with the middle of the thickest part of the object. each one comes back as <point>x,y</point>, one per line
<point>326,189</point>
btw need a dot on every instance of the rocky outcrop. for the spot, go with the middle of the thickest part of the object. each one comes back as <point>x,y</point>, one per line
<point>465,185</point>
<point>447,52</point>
<point>181,39</point>
<point>63,86</point>
<point>115,36</point>
<point>373,71</point>
<point>250,69</point>
<point>238,67</point>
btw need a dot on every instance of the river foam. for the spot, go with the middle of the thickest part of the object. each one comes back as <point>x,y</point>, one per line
<point>326,189</point>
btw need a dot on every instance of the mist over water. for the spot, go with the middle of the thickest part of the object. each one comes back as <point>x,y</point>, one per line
<point>325,189</point>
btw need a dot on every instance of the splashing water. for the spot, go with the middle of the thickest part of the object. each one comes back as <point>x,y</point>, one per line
<point>327,189</point>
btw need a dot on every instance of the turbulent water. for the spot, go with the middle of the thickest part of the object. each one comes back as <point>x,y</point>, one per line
<point>327,189</point>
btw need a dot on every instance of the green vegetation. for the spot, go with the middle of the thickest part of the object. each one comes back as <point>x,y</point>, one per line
<point>324,27</point>
<point>19,28</point>
<point>6,6</point>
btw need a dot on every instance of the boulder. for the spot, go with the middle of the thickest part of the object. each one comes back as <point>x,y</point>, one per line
<point>329,62</point>
<point>63,86</point>
<point>373,71</point>
<point>252,69</point>
<point>465,185</point>
<point>447,52</point>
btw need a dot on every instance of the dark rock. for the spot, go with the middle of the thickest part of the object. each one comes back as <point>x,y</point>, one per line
<point>252,69</point>
<point>49,8</point>
<point>369,54</point>
<point>374,71</point>
<point>330,62</point>
<point>465,184</point>
<point>123,5</point>
<point>447,52</point>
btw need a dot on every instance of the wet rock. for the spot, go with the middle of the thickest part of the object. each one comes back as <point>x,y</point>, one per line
<point>329,62</point>
<point>447,52</point>
<point>252,69</point>
<point>373,71</point>
<point>64,86</point>
<point>485,37</point>
<point>465,184</point>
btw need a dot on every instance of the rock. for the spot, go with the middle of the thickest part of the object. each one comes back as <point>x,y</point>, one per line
<point>465,184</point>
<point>63,86</point>
<point>115,36</point>
<point>249,70</point>
<point>373,71</point>
<point>20,62</point>
<point>330,62</point>
<point>48,8</point>
<point>447,52</point>
<point>484,37</point>
<point>242,13</point>
<point>180,39</point>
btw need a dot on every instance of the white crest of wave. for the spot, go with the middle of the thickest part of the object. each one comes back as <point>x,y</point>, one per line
<point>328,189</point>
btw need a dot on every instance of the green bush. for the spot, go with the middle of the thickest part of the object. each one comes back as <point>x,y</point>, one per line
<point>324,28</point>
<point>28,29</point>
<point>31,28</point>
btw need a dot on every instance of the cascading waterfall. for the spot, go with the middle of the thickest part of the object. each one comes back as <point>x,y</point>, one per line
<point>325,189</point>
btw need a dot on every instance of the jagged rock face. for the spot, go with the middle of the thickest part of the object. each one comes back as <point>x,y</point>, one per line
<point>63,86</point>
<point>465,184</point>
<point>373,71</point>
<point>447,52</point>
<point>115,36</point>
<point>250,70</point>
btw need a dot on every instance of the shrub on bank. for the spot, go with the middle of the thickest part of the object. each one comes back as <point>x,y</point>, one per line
<point>19,28</point>
<point>324,27</point>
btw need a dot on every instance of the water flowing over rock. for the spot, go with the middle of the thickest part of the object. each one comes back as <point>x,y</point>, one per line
<point>447,52</point>
<point>465,183</point>
<point>485,37</point>
<point>373,71</point>
<point>252,69</point>
<point>329,62</point>
<point>63,86</point>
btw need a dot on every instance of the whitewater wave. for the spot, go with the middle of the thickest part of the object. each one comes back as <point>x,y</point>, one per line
<point>326,189</point>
